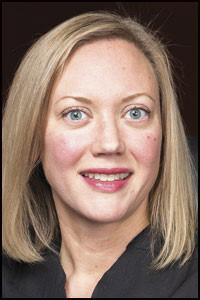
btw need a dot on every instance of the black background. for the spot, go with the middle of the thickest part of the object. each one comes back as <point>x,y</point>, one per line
<point>24,22</point>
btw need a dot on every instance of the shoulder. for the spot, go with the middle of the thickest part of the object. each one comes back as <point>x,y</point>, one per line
<point>19,279</point>
<point>144,282</point>
<point>24,280</point>
<point>187,278</point>
<point>181,282</point>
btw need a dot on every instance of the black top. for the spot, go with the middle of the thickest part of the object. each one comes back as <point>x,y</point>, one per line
<point>129,277</point>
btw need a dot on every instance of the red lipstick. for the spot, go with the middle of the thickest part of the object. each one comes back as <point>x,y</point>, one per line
<point>107,170</point>
<point>106,186</point>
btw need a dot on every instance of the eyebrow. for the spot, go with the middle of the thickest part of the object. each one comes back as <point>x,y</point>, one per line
<point>89,101</point>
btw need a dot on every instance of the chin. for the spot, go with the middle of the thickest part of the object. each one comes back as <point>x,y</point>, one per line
<point>105,216</point>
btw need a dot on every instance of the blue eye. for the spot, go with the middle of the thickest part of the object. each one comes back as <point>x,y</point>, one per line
<point>75,115</point>
<point>137,113</point>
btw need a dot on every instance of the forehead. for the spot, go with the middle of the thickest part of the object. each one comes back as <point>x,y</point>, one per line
<point>115,66</point>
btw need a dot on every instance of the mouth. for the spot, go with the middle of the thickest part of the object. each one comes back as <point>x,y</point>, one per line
<point>106,177</point>
<point>107,174</point>
<point>106,180</point>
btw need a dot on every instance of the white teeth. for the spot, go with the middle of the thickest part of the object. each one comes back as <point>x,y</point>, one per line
<point>96,176</point>
<point>111,177</point>
<point>116,176</point>
<point>105,177</point>
<point>122,176</point>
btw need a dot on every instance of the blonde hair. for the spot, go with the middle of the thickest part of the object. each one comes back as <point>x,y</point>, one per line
<point>30,221</point>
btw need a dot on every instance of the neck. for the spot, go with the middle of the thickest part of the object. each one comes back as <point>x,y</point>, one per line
<point>92,248</point>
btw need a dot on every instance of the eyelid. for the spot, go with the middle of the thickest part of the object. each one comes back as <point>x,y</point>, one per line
<point>86,111</point>
<point>74,108</point>
<point>141,119</point>
<point>132,106</point>
<point>136,106</point>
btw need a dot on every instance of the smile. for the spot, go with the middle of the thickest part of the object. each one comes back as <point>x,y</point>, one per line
<point>107,177</point>
<point>106,180</point>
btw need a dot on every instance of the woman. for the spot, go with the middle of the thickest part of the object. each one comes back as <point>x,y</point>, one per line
<point>98,187</point>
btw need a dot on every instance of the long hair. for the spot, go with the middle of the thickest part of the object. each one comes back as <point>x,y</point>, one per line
<point>30,221</point>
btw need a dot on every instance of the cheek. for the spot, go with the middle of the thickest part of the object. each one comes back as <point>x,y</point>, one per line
<point>63,150</point>
<point>146,149</point>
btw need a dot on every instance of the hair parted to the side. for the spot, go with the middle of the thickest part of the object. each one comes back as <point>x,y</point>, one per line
<point>30,221</point>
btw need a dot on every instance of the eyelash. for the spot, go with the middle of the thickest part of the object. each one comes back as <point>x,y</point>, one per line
<point>72,109</point>
<point>147,112</point>
<point>81,109</point>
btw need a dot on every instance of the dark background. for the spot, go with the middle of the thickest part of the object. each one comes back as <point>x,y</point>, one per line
<point>24,22</point>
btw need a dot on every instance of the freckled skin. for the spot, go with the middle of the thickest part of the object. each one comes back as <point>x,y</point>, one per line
<point>108,139</point>
<point>153,138</point>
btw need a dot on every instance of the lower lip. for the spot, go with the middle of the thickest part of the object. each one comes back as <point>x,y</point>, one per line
<point>106,186</point>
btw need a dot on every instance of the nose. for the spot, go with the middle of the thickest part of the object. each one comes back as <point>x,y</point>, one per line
<point>108,139</point>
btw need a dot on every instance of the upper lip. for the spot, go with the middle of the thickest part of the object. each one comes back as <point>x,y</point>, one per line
<point>107,170</point>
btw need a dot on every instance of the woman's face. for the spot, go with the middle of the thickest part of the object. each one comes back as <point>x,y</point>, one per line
<point>104,119</point>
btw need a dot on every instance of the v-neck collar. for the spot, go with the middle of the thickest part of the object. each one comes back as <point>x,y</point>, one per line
<point>58,278</point>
